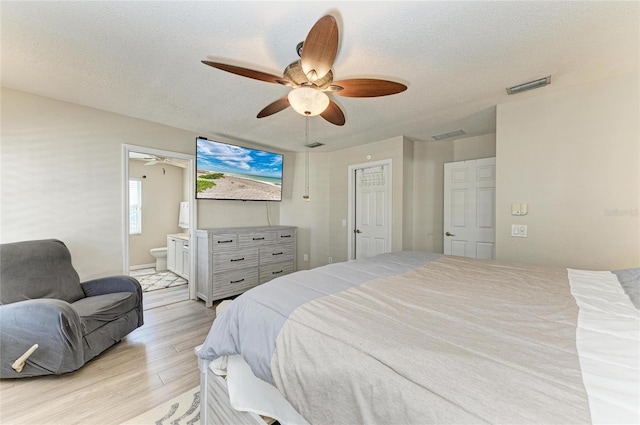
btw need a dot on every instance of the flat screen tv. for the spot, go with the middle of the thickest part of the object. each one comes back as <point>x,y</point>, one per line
<point>230,172</point>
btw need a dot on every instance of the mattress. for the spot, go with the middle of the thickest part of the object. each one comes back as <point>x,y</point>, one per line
<point>425,338</point>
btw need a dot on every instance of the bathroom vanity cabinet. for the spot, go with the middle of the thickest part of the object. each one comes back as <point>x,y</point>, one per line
<point>234,260</point>
<point>178,254</point>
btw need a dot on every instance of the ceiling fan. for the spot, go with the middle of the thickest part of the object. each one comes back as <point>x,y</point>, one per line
<point>153,160</point>
<point>311,77</point>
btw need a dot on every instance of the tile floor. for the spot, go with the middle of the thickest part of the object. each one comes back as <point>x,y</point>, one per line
<point>151,281</point>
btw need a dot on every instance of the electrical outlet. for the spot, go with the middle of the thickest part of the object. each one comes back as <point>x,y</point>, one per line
<point>519,230</point>
<point>330,260</point>
<point>305,257</point>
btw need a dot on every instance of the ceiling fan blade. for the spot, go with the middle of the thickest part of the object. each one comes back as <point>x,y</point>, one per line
<point>250,73</point>
<point>178,163</point>
<point>366,87</point>
<point>320,48</point>
<point>333,114</point>
<point>274,107</point>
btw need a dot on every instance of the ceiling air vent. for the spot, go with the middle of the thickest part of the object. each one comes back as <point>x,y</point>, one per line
<point>449,134</point>
<point>314,145</point>
<point>535,84</point>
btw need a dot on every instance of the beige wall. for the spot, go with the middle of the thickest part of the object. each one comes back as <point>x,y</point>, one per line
<point>162,192</point>
<point>574,156</point>
<point>408,195</point>
<point>474,147</point>
<point>338,166</point>
<point>428,192</point>
<point>417,177</point>
<point>61,176</point>
<point>311,217</point>
<point>429,161</point>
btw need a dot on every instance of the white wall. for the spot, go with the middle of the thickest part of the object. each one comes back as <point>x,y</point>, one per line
<point>61,177</point>
<point>574,156</point>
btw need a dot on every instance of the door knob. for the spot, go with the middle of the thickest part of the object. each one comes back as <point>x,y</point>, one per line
<point>449,234</point>
<point>357,231</point>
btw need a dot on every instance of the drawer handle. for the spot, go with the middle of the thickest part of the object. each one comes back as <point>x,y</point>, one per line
<point>237,281</point>
<point>278,272</point>
<point>236,259</point>
<point>228,241</point>
<point>285,236</point>
<point>277,253</point>
<point>258,239</point>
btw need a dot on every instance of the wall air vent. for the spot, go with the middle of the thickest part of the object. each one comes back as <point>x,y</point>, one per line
<point>314,145</point>
<point>449,134</point>
<point>535,84</point>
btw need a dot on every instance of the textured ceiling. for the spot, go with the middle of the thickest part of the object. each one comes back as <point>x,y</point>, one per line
<point>142,59</point>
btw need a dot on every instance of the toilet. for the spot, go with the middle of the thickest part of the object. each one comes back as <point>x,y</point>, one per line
<point>160,254</point>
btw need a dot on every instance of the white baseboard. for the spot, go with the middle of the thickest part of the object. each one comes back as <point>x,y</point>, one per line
<point>143,266</point>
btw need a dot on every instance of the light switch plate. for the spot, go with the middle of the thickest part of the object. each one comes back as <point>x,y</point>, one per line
<point>519,209</point>
<point>515,209</point>
<point>519,230</point>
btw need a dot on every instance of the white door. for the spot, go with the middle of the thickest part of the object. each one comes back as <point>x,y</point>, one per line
<point>470,208</point>
<point>372,231</point>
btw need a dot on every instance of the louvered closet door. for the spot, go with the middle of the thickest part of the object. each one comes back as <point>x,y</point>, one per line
<point>470,208</point>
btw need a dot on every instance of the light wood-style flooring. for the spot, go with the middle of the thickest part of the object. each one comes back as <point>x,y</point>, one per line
<point>164,297</point>
<point>151,365</point>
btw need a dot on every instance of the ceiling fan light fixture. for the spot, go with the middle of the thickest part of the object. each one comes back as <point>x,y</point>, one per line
<point>308,101</point>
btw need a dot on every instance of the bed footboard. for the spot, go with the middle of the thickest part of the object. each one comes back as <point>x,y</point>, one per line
<point>215,408</point>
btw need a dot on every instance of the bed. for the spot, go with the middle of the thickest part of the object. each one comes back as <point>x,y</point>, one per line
<point>422,338</point>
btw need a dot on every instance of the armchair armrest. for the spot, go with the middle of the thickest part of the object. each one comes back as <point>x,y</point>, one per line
<point>52,324</point>
<point>111,284</point>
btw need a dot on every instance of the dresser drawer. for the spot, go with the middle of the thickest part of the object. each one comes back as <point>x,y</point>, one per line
<point>236,259</point>
<point>275,270</point>
<point>276,253</point>
<point>223,241</point>
<point>235,281</point>
<point>256,239</point>
<point>286,235</point>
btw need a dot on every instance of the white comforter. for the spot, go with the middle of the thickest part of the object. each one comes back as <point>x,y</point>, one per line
<point>449,340</point>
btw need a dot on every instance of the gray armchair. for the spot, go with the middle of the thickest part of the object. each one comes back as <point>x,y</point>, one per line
<point>42,301</point>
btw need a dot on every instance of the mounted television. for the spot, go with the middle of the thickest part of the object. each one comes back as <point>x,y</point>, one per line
<point>230,172</point>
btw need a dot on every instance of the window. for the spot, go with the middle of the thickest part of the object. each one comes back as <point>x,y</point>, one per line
<point>135,206</point>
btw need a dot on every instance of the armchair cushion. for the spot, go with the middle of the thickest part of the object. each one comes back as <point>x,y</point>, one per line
<point>38,269</point>
<point>97,311</point>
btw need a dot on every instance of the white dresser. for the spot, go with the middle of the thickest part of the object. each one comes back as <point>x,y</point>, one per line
<point>234,260</point>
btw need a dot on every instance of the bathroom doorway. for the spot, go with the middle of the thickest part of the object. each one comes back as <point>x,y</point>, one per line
<point>163,209</point>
